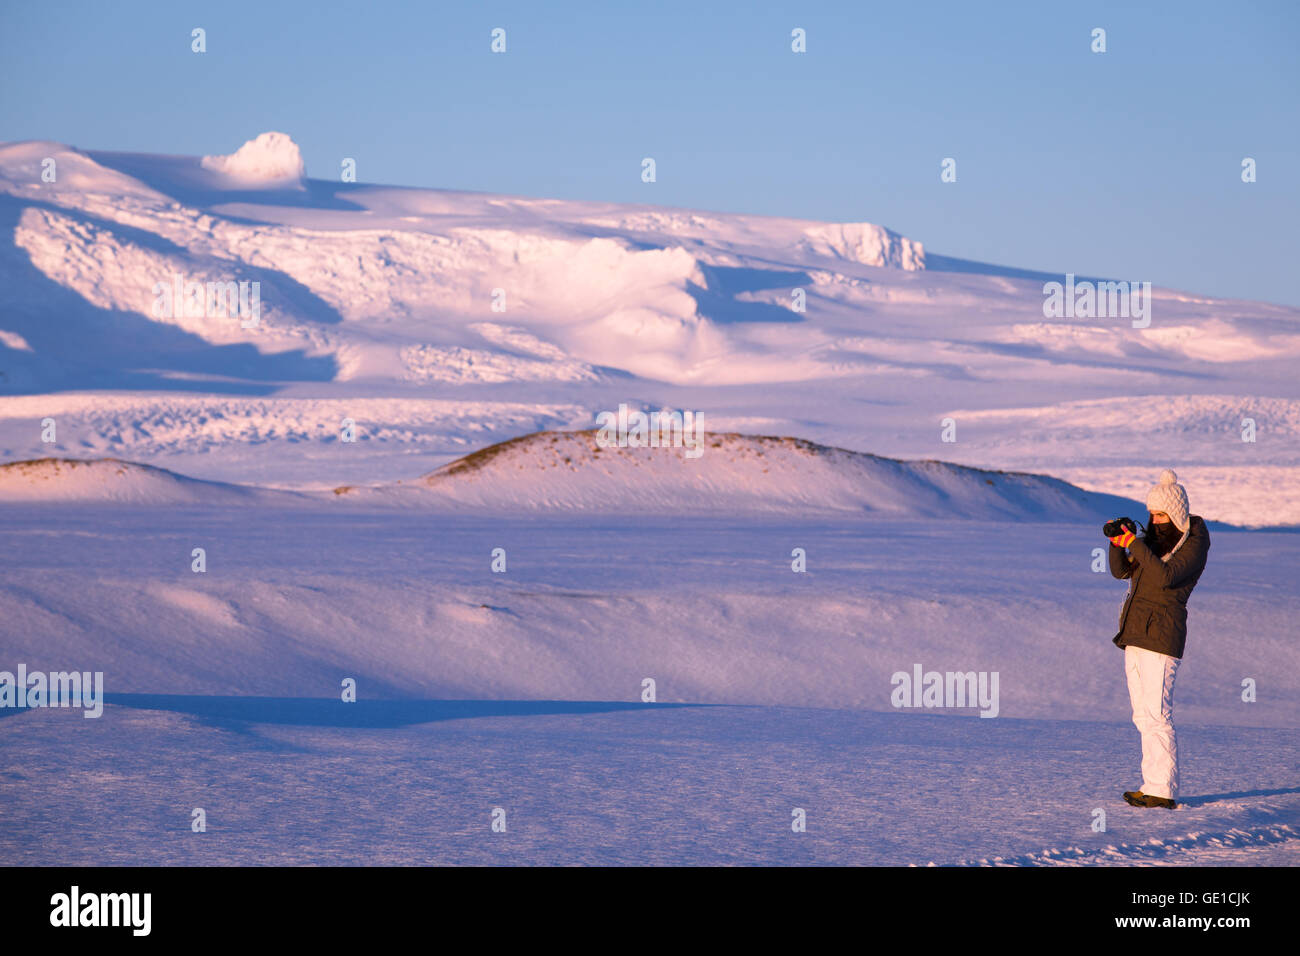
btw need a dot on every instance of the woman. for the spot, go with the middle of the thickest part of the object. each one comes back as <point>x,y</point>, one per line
<point>1162,568</point>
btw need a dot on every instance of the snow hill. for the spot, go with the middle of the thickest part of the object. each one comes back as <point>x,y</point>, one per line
<point>570,471</point>
<point>119,482</point>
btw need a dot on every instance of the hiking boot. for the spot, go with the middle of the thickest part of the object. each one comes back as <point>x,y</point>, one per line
<point>1137,798</point>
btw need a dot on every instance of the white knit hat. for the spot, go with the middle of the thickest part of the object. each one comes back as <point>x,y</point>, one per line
<point>1171,498</point>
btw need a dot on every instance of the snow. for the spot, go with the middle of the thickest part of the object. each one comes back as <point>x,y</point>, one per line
<point>569,471</point>
<point>941,451</point>
<point>427,363</point>
<point>866,243</point>
<point>14,341</point>
<point>183,431</point>
<point>271,158</point>
<point>572,471</point>
<point>1236,481</point>
<point>357,276</point>
<point>405,601</point>
<point>606,786</point>
<point>243,664</point>
<point>50,480</point>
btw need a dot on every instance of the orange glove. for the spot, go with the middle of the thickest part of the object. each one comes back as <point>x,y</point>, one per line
<point>1123,540</point>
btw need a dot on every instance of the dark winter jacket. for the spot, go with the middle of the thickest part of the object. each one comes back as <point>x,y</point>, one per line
<point>1154,615</point>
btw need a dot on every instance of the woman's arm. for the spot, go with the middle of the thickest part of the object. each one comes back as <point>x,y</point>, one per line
<point>1120,565</point>
<point>1185,564</point>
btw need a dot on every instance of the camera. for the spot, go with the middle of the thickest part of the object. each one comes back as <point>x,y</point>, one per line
<point>1111,528</point>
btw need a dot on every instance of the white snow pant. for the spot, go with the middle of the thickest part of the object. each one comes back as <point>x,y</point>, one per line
<point>1151,692</point>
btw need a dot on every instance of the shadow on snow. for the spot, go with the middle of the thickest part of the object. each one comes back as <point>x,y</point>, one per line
<point>333,712</point>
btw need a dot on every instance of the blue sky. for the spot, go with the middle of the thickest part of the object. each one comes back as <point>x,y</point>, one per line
<point>1124,164</point>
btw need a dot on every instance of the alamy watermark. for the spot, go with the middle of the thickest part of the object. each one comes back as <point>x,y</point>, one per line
<point>211,300</point>
<point>1088,300</point>
<point>947,689</point>
<point>662,429</point>
<point>75,908</point>
<point>55,689</point>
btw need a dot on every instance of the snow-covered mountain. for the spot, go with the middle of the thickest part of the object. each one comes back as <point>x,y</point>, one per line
<point>393,285</point>
<point>441,321</point>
